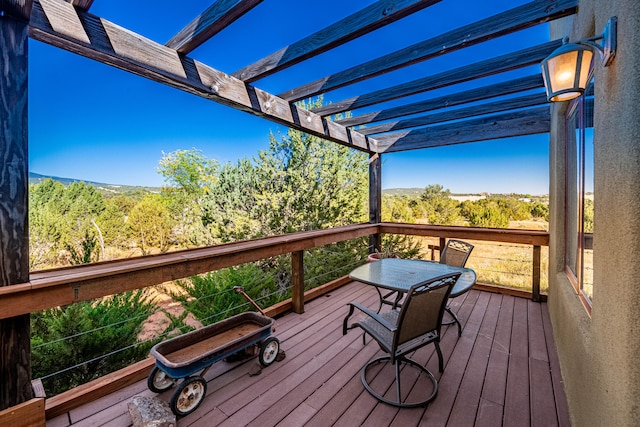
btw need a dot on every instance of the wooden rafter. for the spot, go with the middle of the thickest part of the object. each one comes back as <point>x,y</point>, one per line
<point>59,24</point>
<point>499,89</point>
<point>210,22</point>
<point>516,19</point>
<point>511,61</point>
<point>17,9</point>
<point>506,125</point>
<point>357,24</point>
<point>461,113</point>
<point>81,4</point>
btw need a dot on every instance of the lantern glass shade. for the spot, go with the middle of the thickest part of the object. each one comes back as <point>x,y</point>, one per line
<point>566,71</point>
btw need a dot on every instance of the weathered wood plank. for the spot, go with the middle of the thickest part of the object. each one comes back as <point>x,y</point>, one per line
<point>516,407</point>
<point>26,414</point>
<point>81,4</point>
<point>209,23</point>
<point>500,64</point>
<point>516,19</point>
<point>486,92</point>
<point>64,286</point>
<point>496,383</point>
<point>461,113</point>
<point>468,398</point>
<point>364,21</point>
<point>297,281</point>
<point>106,42</point>
<point>562,409</point>
<point>15,333</point>
<point>525,237</point>
<point>16,9</point>
<point>506,125</point>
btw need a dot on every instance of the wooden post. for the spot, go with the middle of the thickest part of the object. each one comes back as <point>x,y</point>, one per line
<point>15,349</point>
<point>442,244</point>
<point>535,286</point>
<point>375,199</point>
<point>297,281</point>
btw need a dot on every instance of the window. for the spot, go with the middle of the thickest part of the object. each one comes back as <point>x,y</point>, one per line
<point>580,195</point>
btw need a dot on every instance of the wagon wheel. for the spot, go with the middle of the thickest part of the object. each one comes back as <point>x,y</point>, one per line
<point>188,395</point>
<point>269,351</point>
<point>158,381</point>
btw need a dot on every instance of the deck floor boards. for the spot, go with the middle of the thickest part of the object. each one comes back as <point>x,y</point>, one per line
<point>502,371</point>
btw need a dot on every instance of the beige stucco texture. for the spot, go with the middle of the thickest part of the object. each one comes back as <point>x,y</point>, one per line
<point>600,353</point>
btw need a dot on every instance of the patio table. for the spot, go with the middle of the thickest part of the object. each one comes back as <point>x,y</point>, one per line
<point>400,275</point>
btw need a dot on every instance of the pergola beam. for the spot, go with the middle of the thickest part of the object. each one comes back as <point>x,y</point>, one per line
<point>461,113</point>
<point>500,64</point>
<point>59,24</point>
<point>81,4</point>
<point>499,89</point>
<point>355,25</point>
<point>210,22</point>
<point>507,125</point>
<point>516,19</point>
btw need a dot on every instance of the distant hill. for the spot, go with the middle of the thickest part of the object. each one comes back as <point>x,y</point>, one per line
<point>106,189</point>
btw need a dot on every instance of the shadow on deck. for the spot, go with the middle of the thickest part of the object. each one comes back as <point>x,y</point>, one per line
<point>502,371</point>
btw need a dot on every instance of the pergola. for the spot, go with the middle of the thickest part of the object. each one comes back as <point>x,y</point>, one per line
<point>509,108</point>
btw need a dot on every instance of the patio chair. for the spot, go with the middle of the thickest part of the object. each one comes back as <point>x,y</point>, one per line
<point>399,332</point>
<point>455,253</point>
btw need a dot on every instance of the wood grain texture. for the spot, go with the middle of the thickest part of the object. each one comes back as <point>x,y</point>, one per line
<point>52,288</point>
<point>370,18</point>
<point>106,42</point>
<point>516,19</point>
<point>26,414</point>
<point>500,64</point>
<point>81,4</point>
<point>506,125</point>
<point>210,22</point>
<point>15,353</point>
<point>460,113</point>
<point>485,92</point>
<point>16,9</point>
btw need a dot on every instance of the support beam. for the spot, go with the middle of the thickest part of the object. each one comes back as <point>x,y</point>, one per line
<point>519,18</point>
<point>500,64</point>
<point>297,281</point>
<point>59,24</point>
<point>499,89</point>
<point>507,125</point>
<point>364,21</point>
<point>461,113</point>
<point>375,200</point>
<point>15,332</point>
<point>81,4</point>
<point>210,22</point>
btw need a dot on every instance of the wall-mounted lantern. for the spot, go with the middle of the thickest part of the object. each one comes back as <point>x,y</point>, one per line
<point>566,70</point>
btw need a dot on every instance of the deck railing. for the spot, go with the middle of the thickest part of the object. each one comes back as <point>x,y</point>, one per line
<point>57,287</point>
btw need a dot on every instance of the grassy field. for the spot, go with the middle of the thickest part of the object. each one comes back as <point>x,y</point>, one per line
<point>503,264</point>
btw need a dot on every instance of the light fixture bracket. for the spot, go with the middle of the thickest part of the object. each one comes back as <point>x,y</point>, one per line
<point>609,41</point>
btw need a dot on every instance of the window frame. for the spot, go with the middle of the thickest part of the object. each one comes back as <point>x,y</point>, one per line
<point>577,122</point>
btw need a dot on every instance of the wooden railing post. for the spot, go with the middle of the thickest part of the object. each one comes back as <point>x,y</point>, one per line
<point>15,349</point>
<point>535,286</point>
<point>375,200</point>
<point>297,281</point>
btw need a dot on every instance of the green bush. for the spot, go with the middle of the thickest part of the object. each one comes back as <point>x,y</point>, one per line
<point>69,343</point>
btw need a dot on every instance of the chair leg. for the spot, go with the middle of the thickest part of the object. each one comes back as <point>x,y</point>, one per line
<point>455,320</point>
<point>440,362</point>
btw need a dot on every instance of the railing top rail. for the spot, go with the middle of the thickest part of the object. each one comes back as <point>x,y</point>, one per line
<point>55,287</point>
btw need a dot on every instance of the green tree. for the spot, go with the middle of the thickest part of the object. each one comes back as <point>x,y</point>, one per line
<point>439,206</point>
<point>189,170</point>
<point>151,224</point>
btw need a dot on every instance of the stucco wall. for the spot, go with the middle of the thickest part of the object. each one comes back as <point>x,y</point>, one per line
<point>600,355</point>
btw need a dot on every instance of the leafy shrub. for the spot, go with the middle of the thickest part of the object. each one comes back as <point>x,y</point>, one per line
<point>77,343</point>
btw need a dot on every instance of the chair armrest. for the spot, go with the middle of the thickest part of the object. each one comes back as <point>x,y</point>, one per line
<point>375,316</point>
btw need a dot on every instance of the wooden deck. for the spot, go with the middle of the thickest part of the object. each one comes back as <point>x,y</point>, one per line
<point>502,371</point>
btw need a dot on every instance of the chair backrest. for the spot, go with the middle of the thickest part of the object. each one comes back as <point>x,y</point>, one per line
<point>423,308</point>
<point>456,253</point>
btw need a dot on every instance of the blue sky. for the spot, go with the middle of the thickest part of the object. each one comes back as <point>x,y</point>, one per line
<point>94,122</point>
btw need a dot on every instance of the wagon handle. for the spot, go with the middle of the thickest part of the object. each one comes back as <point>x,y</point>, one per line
<point>240,290</point>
